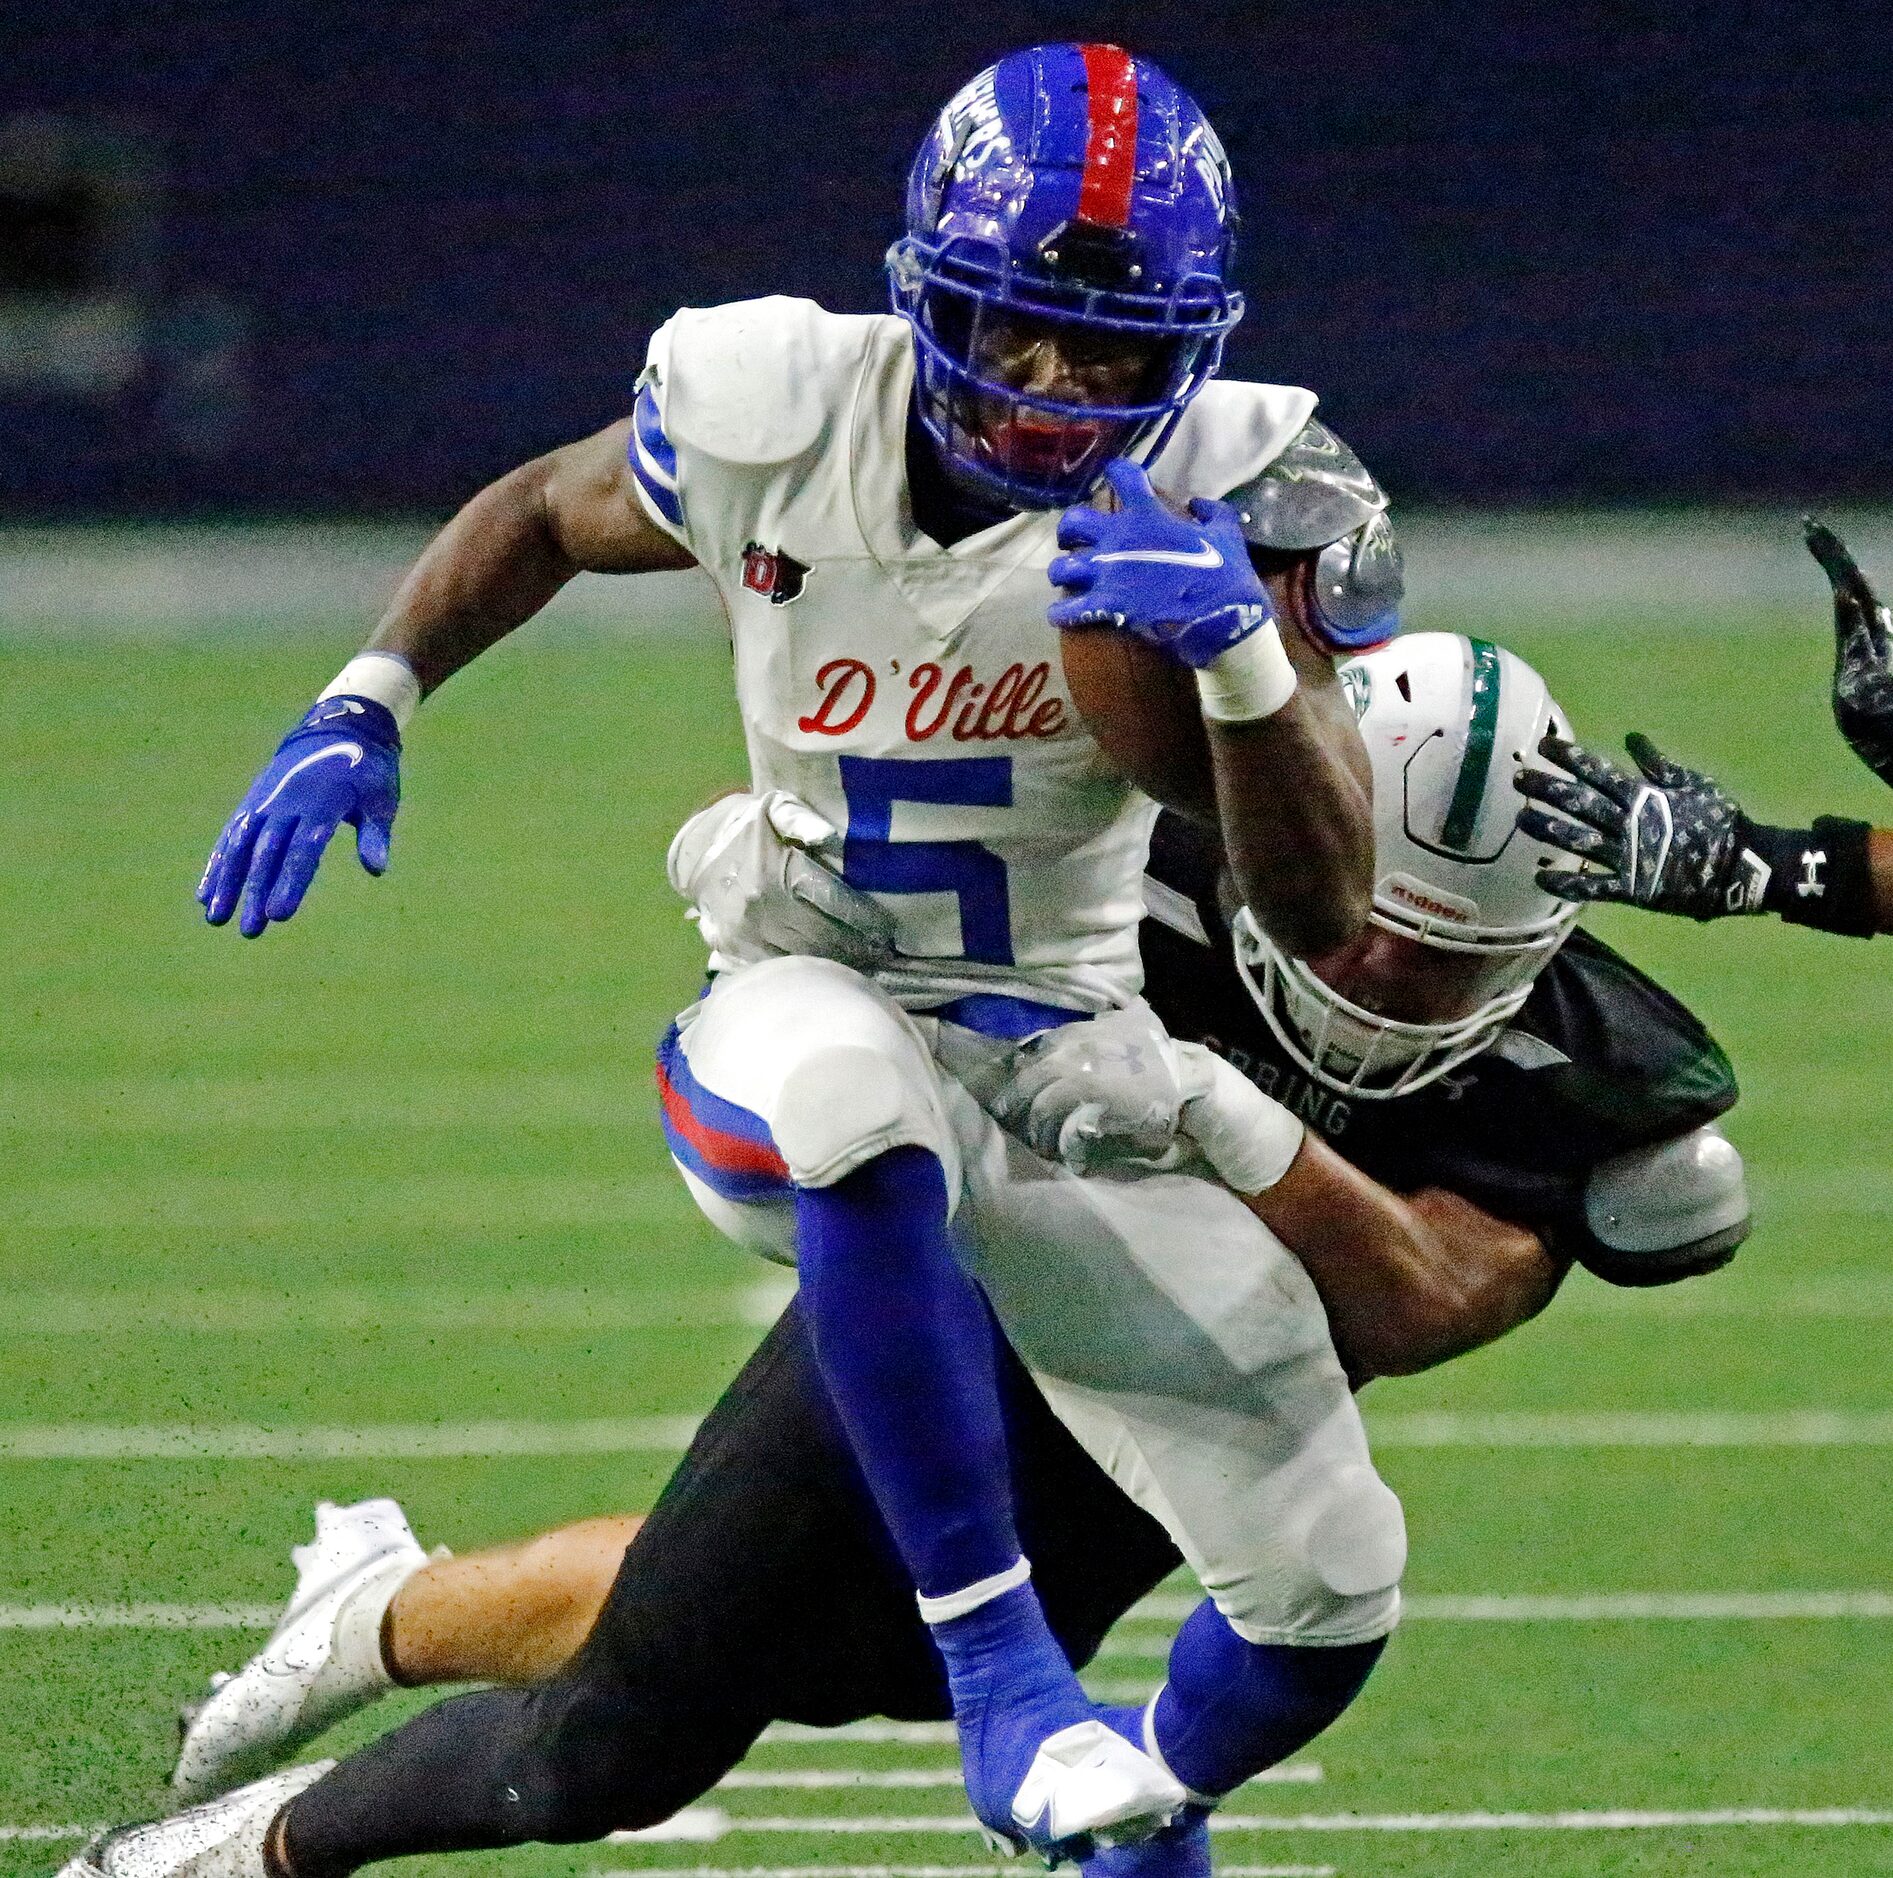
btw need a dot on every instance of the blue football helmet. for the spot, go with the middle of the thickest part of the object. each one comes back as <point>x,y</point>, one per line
<point>1078,186</point>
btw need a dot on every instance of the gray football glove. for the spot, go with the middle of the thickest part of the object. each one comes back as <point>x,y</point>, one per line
<point>1669,838</point>
<point>1109,1088</point>
<point>759,872</point>
<point>1863,670</point>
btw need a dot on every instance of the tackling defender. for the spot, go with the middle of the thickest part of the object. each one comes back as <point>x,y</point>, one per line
<point>873,498</point>
<point>1674,840</point>
<point>1549,1100</point>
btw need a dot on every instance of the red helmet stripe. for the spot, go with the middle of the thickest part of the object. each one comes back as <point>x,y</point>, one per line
<point>1104,193</point>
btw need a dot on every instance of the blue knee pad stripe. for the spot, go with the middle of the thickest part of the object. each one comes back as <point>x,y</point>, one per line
<point>728,1147</point>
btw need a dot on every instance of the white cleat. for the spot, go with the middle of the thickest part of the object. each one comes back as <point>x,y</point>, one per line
<point>322,1662</point>
<point>1086,1782</point>
<point>223,1838</point>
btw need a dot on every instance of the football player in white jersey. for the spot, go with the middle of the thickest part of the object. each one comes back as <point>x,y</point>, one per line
<point>875,500</point>
<point>1548,1102</point>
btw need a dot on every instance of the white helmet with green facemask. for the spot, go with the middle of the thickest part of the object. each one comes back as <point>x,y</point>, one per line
<point>1447,721</point>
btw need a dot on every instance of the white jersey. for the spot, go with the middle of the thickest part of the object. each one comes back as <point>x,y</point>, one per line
<point>912,693</point>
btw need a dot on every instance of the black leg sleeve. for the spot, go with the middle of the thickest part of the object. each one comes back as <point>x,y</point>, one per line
<point>570,1761</point>
<point>762,1588</point>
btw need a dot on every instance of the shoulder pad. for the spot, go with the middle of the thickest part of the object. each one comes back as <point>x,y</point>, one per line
<point>1228,435</point>
<point>1670,1210</point>
<point>1315,492</point>
<point>758,381</point>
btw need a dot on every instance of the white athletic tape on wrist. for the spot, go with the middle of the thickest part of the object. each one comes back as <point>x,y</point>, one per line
<point>386,677</point>
<point>952,1604</point>
<point>1250,1139</point>
<point>1252,679</point>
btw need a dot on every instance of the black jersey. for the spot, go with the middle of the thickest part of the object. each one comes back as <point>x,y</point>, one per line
<point>1600,1060</point>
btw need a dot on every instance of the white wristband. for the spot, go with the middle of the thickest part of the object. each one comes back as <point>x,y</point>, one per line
<point>1252,679</point>
<point>386,677</point>
<point>1249,1138</point>
<point>951,1604</point>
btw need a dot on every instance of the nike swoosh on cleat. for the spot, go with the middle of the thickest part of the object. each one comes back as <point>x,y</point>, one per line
<point>1205,556</point>
<point>353,751</point>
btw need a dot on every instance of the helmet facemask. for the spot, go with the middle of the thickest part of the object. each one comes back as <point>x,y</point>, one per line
<point>1358,1052</point>
<point>1446,721</point>
<point>1021,447</point>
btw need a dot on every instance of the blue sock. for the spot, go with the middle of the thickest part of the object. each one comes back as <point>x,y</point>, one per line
<point>1232,1708</point>
<point>1178,1851</point>
<point>1012,1686</point>
<point>904,1343</point>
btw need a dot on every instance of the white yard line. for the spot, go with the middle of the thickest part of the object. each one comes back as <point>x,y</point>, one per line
<point>366,1205</point>
<point>1585,1820</point>
<point>139,1616</point>
<point>812,1779</point>
<point>386,1441</point>
<point>1593,1607</point>
<point>914,1871</point>
<point>907,1734</point>
<point>661,1434</point>
<point>1681,1428</point>
<point>1582,1820</point>
<point>223,1311</point>
<point>708,1825</point>
<point>1658,1606</point>
<point>1496,1608</point>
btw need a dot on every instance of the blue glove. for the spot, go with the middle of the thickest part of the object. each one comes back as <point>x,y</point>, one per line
<point>1185,586</point>
<point>342,763</point>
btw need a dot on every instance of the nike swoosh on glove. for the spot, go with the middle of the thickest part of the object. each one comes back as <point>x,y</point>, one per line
<point>342,763</point>
<point>1182,584</point>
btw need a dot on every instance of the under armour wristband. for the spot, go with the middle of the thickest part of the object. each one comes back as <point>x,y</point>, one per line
<point>1253,679</point>
<point>1249,1138</point>
<point>386,677</point>
<point>1818,876</point>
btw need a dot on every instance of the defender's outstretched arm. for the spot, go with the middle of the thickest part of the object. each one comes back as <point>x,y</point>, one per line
<point>1674,840</point>
<point>1407,1282</point>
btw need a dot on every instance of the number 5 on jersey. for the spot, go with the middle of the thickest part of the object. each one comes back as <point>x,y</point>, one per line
<point>876,863</point>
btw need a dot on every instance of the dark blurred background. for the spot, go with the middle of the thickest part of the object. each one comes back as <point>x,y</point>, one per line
<point>342,256</point>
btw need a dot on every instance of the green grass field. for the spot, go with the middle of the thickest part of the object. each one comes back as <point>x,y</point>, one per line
<point>398,1164</point>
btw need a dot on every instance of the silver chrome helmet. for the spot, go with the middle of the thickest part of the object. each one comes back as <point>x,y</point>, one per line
<point>1446,721</point>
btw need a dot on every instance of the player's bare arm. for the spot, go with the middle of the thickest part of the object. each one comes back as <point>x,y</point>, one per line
<point>1287,770</point>
<point>1407,1283</point>
<point>1295,806</point>
<point>488,571</point>
<point>505,555</point>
